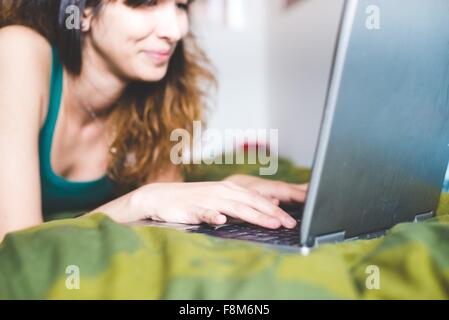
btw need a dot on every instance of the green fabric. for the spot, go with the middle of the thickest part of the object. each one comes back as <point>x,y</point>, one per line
<point>59,194</point>
<point>120,262</point>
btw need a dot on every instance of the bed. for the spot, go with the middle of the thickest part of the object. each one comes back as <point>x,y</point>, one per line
<point>95,258</point>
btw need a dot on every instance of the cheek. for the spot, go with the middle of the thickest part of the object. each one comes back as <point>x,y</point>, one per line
<point>119,41</point>
<point>122,29</point>
<point>184,25</point>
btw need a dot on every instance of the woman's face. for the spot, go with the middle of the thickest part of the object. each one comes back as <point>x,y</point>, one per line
<point>137,43</point>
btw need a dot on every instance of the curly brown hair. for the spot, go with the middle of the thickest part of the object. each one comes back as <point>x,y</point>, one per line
<point>143,119</point>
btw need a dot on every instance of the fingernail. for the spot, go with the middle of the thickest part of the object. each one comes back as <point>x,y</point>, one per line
<point>290,223</point>
<point>220,219</point>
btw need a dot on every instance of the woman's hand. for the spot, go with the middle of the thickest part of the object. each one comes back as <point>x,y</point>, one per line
<point>209,202</point>
<point>277,191</point>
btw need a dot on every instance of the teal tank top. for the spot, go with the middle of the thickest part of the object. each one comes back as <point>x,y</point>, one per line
<point>58,194</point>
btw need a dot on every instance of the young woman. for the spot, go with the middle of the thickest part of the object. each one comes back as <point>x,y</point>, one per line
<point>87,111</point>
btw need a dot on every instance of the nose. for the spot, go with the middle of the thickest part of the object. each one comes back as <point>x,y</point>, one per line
<point>168,25</point>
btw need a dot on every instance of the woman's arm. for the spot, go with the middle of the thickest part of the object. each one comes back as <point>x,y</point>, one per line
<point>25,67</point>
<point>200,202</point>
<point>166,198</point>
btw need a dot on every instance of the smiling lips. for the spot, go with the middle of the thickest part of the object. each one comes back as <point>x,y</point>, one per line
<point>159,55</point>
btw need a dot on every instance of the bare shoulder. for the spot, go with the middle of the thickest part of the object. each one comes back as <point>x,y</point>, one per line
<point>25,61</point>
<point>23,45</point>
<point>17,36</point>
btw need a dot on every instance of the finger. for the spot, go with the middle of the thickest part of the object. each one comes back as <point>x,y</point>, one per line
<point>289,193</point>
<point>282,191</point>
<point>303,187</point>
<point>274,201</point>
<point>261,204</point>
<point>212,217</point>
<point>296,195</point>
<point>246,213</point>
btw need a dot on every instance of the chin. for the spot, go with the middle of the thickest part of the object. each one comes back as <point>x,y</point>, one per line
<point>155,74</point>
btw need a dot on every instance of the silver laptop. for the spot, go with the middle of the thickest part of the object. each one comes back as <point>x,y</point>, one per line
<point>383,148</point>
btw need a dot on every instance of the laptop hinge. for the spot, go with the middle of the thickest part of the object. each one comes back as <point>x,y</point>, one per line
<point>330,238</point>
<point>424,216</point>
<point>368,236</point>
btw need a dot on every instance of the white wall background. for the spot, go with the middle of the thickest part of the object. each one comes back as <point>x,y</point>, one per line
<point>240,58</point>
<point>273,67</point>
<point>301,46</point>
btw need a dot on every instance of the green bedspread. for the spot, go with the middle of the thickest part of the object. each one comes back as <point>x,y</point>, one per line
<point>120,262</point>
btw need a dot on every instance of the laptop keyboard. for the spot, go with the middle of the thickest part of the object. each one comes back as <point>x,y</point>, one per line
<point>248,232</point>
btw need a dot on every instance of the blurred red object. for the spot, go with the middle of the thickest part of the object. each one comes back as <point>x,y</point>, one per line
<point>254,146</point>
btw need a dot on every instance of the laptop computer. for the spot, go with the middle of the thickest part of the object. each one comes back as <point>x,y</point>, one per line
<point>383,148</point>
